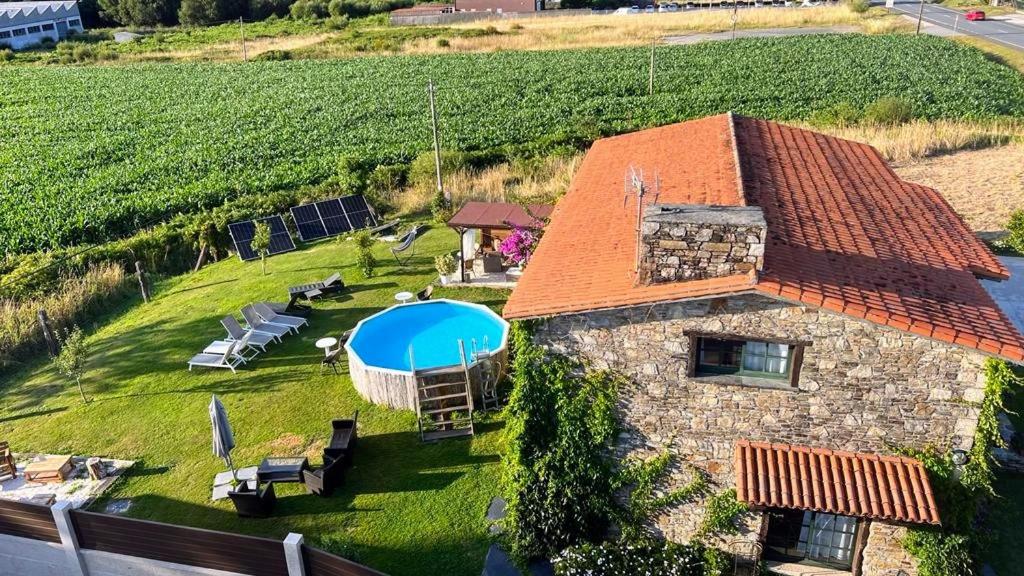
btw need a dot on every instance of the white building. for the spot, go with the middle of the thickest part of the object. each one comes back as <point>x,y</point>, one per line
<point>26,24</point>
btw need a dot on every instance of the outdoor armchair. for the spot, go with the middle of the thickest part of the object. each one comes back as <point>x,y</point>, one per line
<point>323,480</point>
<point>343,439</point>
<point>252,502</point>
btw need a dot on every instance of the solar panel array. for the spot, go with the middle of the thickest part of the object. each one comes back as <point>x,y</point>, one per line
<point>242,234</point>
<point>332,217</point>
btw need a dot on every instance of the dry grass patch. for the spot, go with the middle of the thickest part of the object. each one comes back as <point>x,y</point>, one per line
<point>922,138</point>
<point>998,52</point>
<point>540,181</point>
<point>983,186</point>
<point>613,30</point>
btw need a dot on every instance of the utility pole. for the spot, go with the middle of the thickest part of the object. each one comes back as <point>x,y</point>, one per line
<point>437,140</point>
<point>920,16</point>
<point>245,53</point>
<point>650,81</point>
<point>735,18</point>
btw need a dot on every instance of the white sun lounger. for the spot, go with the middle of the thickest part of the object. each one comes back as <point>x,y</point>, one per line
<point>226,360</point>
<point>257,324</point>
<point>256,339</point>
<point>268,315</point>
<point>240,347</point>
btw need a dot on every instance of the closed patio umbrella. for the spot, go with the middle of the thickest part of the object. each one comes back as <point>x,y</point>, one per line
<point>223,438</point>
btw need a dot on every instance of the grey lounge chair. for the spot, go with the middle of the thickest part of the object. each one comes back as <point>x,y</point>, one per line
<point>256,339</point>
<point>268,315</point>
<point>229,359</point>
<point>257,324</point>
<point>240,348</point>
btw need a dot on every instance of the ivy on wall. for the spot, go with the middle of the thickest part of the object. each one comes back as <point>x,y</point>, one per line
<point>952,549</point>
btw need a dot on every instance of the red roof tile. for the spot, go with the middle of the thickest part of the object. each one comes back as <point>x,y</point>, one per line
<point>844,232</point>
<point>847,483</point>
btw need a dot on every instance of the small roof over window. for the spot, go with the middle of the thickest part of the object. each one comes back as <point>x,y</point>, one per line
<point>846,483</point>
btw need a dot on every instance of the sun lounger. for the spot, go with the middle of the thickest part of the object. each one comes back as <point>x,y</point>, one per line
<point>240,347</point>
<point>268,315</point>
<point>256,339</point>
<point>256,323</point>
<point>333,284</point>
<point>229,359</point>
<point>300,310</point>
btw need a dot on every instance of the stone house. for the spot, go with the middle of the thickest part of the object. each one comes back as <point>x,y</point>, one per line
<point>789,313</point>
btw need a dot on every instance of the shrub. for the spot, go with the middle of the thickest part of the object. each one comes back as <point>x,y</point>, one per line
<point>261,243</point>
<point>384,184</point>
<point>309,10</point>
<point>939,554</point>
<point>1015,238</point>
<point>858,6</point>
<point>274,56</point>
<point>647,556</point>
<point>720,514</point>
<point>443,43</point>
<point>445,264</point>
<point>889,111</point>
<point>842,115</point>
<point>268,10</point>
<point>441,208</point>
<point>364,258</point>
<point>559,421</point>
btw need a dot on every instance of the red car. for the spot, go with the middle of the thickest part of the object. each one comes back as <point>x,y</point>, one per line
<point>975,15</point>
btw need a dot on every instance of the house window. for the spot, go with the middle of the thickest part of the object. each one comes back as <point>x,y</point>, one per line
<point>75,23</point>
<point>19,31</point>
<point>34,29</point>
<point>48,27</point>
<point>743,357</point>
<point>812,538</point>
<point>5,34</point>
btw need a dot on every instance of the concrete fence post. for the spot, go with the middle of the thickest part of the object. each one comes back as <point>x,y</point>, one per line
<point>293,555</point>
<point>68,538</point>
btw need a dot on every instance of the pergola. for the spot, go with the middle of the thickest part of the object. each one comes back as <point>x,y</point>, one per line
<point>490,216</point>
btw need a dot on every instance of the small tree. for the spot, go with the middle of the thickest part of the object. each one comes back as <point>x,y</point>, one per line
<point>74,353</point>
<point>261,243</point>
<point>364,259</point>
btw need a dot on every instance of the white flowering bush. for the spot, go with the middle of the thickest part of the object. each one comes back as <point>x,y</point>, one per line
<point>647,557</point>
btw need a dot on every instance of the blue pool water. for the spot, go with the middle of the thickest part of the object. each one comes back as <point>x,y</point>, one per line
<point>432,328</point>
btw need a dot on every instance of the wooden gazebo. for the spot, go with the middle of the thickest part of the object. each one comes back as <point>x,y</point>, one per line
<point>494,220</point>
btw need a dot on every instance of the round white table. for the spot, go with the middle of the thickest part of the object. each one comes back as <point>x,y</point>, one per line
<point>404,297</point>
<point>326,344</point>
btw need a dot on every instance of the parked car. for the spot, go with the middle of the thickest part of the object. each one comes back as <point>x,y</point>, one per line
<point>634,9</point>
<point>649,9</point>
<point>975,16</point>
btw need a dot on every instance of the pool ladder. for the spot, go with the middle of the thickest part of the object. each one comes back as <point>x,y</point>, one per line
<point>444,400</point>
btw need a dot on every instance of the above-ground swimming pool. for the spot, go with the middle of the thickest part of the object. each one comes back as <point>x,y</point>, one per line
<point>379,348</point>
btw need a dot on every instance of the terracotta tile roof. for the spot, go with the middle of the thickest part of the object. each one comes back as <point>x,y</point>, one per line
<point>847,483</point>
<point>844,232</point>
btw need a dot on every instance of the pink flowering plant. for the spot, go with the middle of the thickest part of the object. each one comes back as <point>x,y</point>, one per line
<point>519,245</point>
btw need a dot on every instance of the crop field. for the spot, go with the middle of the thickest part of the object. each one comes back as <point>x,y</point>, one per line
<point>89,153</point>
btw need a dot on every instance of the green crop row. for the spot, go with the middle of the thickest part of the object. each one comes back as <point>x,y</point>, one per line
<point>91,153</point>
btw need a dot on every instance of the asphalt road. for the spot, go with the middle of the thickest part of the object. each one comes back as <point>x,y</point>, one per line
<point>996,30</point>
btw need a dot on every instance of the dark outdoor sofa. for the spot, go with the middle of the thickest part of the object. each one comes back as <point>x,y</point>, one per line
<point>343,439</point>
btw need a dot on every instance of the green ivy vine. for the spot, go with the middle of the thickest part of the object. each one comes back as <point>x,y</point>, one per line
<point>952,549</point>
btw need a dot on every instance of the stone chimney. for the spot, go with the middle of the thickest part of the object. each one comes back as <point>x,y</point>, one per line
<point>693,242</point>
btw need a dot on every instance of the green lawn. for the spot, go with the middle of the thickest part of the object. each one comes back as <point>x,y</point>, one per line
<point>405,508</point>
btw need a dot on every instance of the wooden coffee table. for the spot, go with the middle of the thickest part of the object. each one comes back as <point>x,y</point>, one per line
<point>49,469</point>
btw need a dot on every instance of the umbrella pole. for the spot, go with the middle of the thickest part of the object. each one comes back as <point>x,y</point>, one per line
<point>232,467</point>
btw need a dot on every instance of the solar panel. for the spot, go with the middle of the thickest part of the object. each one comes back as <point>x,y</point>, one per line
<point>358,211</point>
<point>280,239</point>
<point>308,222</point>
<point>335,221</point>
<point>242,234</point>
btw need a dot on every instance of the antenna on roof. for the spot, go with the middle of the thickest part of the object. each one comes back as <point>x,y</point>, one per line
<point>635,186</point>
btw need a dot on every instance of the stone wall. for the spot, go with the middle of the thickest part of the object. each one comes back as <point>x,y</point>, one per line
<point>696,242</point>
<point>862,387</point>
<point>883,554</point>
